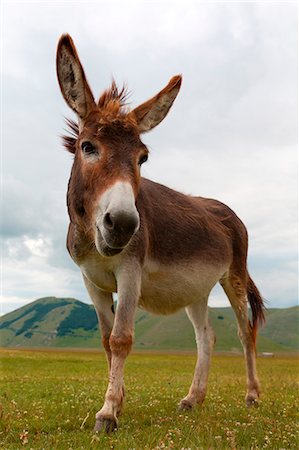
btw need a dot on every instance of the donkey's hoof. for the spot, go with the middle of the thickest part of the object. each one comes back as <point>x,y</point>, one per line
<point>252,400</point>
<point>185,405</point>
<point>105,424</point>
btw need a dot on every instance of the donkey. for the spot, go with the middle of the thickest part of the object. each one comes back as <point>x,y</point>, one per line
<point>157,248</point>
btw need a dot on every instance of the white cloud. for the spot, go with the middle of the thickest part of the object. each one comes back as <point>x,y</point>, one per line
<point>38,247</point>
<point>28,275</point>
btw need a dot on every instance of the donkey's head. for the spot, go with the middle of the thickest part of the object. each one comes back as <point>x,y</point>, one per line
<point>108,152</point>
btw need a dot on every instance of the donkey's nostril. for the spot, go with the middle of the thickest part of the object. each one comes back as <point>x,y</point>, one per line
<point>121,224</point>
<point>108,222</point>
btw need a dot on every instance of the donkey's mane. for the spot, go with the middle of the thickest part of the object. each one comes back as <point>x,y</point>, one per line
<point>69,140</point>
<point>114,110</point>
<point>114,95</point>
<point>112,104</point>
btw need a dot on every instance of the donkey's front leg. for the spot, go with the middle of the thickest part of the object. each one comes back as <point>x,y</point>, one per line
<point>103,303</point>
<point>121,339</point>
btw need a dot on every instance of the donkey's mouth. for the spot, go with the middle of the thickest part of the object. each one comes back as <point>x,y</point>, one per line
<point>107,246</point>
<point>112,243</point>
<point>105,249</point>
<point>109,251</point>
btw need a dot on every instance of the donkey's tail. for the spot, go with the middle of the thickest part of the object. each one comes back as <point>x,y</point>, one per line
<point>257,306</point>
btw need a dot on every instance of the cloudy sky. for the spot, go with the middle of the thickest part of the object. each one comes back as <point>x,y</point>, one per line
<point>231,134</point>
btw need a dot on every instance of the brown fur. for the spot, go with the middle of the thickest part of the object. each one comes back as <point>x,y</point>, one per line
<point>114,98</point>
<point>120,346</point>
<point>199,226</point>
<point>173,251</point>
<point>120,148</point>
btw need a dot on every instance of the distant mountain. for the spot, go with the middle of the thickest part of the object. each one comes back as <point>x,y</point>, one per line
<point>50,322</point>
<point>67,322</point>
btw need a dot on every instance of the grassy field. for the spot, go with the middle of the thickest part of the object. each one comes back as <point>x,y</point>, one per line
<point>49,399</point>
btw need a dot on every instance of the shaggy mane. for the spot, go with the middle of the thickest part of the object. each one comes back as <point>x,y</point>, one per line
<point>113,112</point>
<point>114,95</point>
<point>69,141</point>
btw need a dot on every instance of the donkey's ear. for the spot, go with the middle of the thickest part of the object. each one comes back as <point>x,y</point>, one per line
<point>152,112</point>
<point>71,77</point>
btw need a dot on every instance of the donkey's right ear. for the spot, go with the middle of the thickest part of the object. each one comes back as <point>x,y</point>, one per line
<point>71,77</point>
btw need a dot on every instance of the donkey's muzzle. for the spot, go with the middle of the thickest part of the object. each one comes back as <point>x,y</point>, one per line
<point>119,227</point>
<point>117,218</point>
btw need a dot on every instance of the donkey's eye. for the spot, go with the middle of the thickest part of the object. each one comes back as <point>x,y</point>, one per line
<point>142,160</point>
<point>88,148</point>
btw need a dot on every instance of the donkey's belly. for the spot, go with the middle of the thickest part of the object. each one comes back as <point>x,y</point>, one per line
<point>166,289</point>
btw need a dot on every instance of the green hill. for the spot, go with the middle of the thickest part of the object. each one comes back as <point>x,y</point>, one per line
<point>66,322</point>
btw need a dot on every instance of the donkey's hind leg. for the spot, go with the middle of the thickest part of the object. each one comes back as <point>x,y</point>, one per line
<point>205,339</point>
<point>236,291</point>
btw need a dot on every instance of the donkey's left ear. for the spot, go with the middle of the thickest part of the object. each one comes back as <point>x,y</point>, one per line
<point>151,113</point>
<point>72,79</point>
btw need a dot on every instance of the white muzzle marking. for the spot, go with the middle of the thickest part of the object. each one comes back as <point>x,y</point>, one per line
<point>117,218</point>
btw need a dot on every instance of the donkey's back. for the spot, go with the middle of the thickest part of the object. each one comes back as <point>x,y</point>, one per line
<point>182,228</point>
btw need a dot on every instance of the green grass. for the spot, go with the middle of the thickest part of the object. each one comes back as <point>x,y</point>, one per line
<point>49,399</point>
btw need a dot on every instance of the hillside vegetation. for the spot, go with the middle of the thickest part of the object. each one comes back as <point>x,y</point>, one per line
<point>67,322</point>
